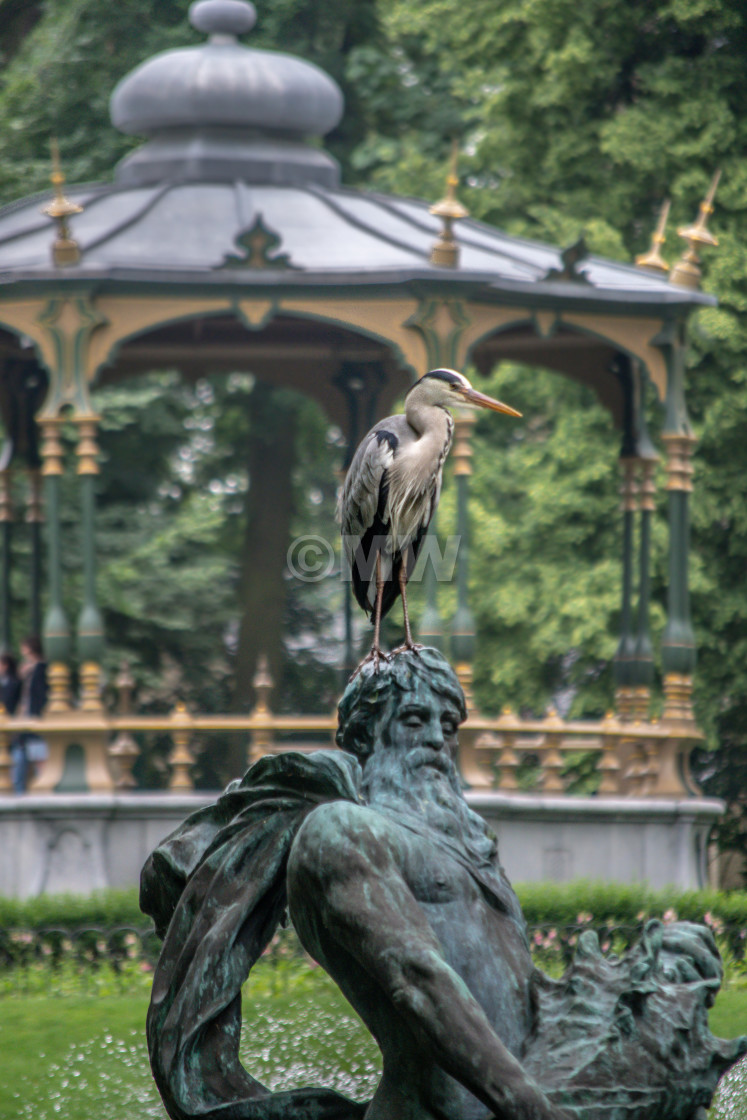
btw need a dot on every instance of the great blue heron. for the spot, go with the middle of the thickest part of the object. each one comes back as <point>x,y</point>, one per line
<point>392,489</point>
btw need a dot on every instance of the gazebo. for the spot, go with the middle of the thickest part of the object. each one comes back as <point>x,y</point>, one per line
<point>226,242</point>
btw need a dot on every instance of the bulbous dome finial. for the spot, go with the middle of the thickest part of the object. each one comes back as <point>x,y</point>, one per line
<point>223,110</point>
<point>222,17</point>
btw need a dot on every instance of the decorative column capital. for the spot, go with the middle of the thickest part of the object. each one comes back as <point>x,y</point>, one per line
<point>680,448</point>
<point>461,455</point>
<point>52,450</point>
<point>87,449</point>
<point>628,484</point>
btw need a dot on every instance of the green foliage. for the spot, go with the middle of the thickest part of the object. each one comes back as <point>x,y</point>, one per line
<point>559,903</point>
<point>107,908</point>
<point>626,904</point>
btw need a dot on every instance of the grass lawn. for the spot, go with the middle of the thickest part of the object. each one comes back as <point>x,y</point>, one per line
<point>77,1056</point>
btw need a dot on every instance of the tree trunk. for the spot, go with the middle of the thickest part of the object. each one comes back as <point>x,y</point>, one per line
<point>269,509</point>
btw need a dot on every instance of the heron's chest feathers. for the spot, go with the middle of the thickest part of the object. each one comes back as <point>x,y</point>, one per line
<point>415,477</point>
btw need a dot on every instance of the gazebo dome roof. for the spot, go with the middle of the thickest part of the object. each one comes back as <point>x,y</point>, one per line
<point>227,110</point>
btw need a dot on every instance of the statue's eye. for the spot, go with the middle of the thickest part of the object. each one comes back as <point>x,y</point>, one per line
<point>449,726</point>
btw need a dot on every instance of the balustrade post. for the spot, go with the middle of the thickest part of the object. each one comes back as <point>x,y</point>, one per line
<point>509,760</point>
<point>609,764</point>
<point>56,628</point>
<point>124,750</point>
<point>181,758</point>
<point>551,758</point>
<point>261,738</point>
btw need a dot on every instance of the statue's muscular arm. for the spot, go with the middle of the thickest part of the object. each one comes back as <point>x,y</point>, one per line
<point>346,864</point>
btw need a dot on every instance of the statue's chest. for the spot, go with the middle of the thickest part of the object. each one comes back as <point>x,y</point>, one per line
<point>435,878</point>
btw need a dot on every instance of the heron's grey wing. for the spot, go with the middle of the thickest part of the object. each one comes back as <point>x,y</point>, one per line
<point>362,508</point>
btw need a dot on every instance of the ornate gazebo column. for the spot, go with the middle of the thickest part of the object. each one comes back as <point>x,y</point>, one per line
<point>56,630</point>
<point>678,651</point>
<point>34,520</point>
<point>622,664</point>
<point>6,530</point>
<point>90,624</point>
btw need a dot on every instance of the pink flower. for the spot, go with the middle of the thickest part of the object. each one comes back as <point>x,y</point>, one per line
<point>670,915</point>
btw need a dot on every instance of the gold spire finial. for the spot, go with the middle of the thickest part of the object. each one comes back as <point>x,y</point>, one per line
<point>653,260</point>
<point>445,251</point>
<point>65,250</point>
<point>686,271</point>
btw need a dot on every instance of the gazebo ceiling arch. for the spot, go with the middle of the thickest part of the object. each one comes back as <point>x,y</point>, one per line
<point>232,212</point>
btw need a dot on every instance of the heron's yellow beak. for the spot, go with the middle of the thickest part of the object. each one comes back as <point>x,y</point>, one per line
<point>480,400</point>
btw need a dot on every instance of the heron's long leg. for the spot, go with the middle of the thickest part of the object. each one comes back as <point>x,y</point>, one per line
<point>403,592</point>
<point>376,650</point>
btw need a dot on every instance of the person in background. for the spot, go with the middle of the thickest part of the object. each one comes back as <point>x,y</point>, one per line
<point>10,683</point>
<point>33,677</point>
<point>10,694</point>
<point>31,749</point>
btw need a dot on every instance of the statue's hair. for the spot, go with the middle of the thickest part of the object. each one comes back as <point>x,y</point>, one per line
<point>369,692</point>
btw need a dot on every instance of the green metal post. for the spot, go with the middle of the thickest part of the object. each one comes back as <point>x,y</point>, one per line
<point>90,624</point>
<point>643,666</point>
<point>56,629</point>
<point>6,517</point>
<point>34,517</point>
<point>626,646</point>
<point>678,652</point>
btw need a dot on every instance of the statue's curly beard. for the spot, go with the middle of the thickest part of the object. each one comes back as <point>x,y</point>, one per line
<point>425,783</point>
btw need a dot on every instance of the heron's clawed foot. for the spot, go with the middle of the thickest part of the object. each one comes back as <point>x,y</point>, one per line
<point>407,647</point>
<point>376,656</point>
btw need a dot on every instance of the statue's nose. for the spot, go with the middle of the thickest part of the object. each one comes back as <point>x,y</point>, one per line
<point>435,735</point>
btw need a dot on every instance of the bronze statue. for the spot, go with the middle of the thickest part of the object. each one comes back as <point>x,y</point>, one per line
<point>393,884</point>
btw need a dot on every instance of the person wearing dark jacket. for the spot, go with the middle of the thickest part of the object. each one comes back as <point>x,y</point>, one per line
<point>30,750</point>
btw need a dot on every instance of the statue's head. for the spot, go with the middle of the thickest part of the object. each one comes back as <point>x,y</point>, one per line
<point>371,698</point>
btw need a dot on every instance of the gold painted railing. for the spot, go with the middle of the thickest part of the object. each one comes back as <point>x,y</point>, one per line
<point>507,753</point>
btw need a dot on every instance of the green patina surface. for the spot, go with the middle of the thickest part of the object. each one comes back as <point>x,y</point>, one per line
<point>395,887</point>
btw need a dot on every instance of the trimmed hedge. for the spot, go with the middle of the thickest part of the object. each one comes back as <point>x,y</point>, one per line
<point>543,904</point>
<point>107,909</point>
<point>622,903</point>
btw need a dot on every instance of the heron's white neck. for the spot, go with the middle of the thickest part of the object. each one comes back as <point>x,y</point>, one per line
<point>429,421</point>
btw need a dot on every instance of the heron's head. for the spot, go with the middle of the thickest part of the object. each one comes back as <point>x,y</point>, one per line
<point>449,389</point>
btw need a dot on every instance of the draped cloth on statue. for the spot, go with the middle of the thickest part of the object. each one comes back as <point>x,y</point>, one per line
<point>216,891</point>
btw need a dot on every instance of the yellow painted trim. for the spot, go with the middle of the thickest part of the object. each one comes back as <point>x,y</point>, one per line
<point>130,316</point>
<point>632,335</point>
<point>485,320</point>
<point>384,319</point>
